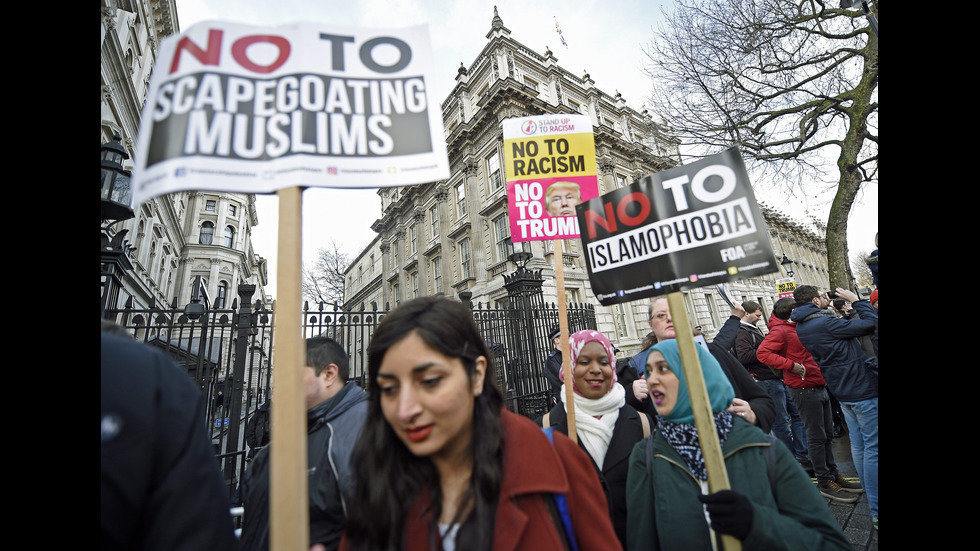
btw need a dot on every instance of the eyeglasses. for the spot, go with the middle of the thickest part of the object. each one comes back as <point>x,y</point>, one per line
<point>660,316</point>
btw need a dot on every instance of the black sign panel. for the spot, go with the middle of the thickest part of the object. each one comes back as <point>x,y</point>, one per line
<point>686,227</point>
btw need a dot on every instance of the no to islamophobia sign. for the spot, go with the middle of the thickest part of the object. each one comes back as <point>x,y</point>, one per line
<point>256,109</point>
<point>550,168</point>
<point>685,227</point>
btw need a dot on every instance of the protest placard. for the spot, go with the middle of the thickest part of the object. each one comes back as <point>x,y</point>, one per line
<point>242,108</point>
<point>549,163</point>
<point>785,287</point>
<point>689,226</point>
<point>550,168</point>
<point>248,109</point>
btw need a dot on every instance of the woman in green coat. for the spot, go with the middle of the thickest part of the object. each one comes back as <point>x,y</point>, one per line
<point>668,503</point>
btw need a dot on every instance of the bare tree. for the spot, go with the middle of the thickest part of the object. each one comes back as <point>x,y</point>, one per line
<point>862,273</point>
<point>324,282</point>
<point>792,83</point>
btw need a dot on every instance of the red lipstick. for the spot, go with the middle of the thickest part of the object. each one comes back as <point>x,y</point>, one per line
<point>417,434</point>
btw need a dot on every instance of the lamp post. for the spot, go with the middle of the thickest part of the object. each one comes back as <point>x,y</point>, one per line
<point>787,265</point>
<point>197,309</point>
<point>527,304</point>
<point>786,286</point>
<point>116,196</point>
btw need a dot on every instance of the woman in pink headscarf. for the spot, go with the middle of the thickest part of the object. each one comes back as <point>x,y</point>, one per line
<point>607,428</point>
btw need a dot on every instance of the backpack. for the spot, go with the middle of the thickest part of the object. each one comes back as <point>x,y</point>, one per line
<point>560,505</point>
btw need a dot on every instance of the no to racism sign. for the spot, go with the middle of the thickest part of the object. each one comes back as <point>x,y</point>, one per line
<point>257,109</point>
<point>550,168</point>
<point>685,227</point>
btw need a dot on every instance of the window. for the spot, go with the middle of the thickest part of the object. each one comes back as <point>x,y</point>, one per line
<point>412,240</point>
<point>710,301</point>
<point>229,236</point>
<point>572,296</point>
<point>210,205</point>
<point>531,83</point>
<point>394,256</point>
<point>460,200</point>
<point>464,258</point>
<point>501,233</point>
<point>493,171</point>
<point>371,264</point>
<point>437,275</point>
<point>621,180</point>
<point>219,301</point>
<point>207,233</point>
<point>232,209</point>
<point>433,221</point>
<point>415,284</point>
<point>622,326</point>
<point>575,105</point>
<point>397,292</point>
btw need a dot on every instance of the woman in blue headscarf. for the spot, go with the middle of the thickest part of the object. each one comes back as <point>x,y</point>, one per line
<point>772,503</point>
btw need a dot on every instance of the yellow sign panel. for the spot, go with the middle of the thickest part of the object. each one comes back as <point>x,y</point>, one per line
<point>550,156</point>
<point>785,286</point>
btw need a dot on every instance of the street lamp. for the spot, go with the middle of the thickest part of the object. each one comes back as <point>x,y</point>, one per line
<point>116,195</point>
<point>520,258</point>
<point>787,264</point>
<point>116,191</point>
<point>198,306</point>
<point>872,18</point>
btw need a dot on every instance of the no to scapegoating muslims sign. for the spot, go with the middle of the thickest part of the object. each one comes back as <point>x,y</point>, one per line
<point>550,168</point>
<point>686,227</point>
<point>256,109</point>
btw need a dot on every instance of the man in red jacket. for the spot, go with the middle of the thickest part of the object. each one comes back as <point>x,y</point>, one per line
<point>783,350</point>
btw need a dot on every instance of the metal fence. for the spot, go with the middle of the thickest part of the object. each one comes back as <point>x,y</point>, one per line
<point>228,353</point>
<point>518,338</point>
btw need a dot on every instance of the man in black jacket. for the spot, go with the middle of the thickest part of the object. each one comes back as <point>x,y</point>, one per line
<point>161,486</point>
<point>751,401</point>
<point>335,414</point>
<point>553,365</point>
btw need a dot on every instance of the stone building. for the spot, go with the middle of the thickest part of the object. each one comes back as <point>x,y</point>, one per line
<point>453,236</point>
<point>172,239</point>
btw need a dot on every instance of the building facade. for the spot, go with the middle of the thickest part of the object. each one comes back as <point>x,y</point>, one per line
<point>174,238</point>
<point>453,236</point>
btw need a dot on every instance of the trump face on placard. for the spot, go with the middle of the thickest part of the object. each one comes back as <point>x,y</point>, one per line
<point>561,198</point>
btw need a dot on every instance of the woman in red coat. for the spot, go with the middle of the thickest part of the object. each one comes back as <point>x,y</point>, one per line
<point>441,465</point>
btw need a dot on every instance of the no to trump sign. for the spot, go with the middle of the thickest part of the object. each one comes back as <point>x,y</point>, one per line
<point>550,166</point>
<point>258,109</point>
<point>685,227</point>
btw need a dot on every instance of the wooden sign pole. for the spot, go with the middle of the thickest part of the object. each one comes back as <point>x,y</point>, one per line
<point>566,359</point>
<point>704,419</point>
<point>289,523</point>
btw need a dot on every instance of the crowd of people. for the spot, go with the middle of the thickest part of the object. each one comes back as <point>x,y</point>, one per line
<point>428,458</point>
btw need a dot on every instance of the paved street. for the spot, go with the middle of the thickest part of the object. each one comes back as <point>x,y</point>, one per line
<point>854,518</point>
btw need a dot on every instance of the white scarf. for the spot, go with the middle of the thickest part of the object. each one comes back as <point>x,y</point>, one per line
<point>595,434</point>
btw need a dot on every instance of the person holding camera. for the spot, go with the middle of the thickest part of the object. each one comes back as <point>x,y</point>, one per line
<point>850,374</point>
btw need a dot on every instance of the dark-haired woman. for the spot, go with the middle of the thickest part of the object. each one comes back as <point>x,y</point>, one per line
<point>440,465</point>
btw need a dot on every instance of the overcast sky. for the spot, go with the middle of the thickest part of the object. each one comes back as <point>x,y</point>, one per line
<point>604,38</point>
